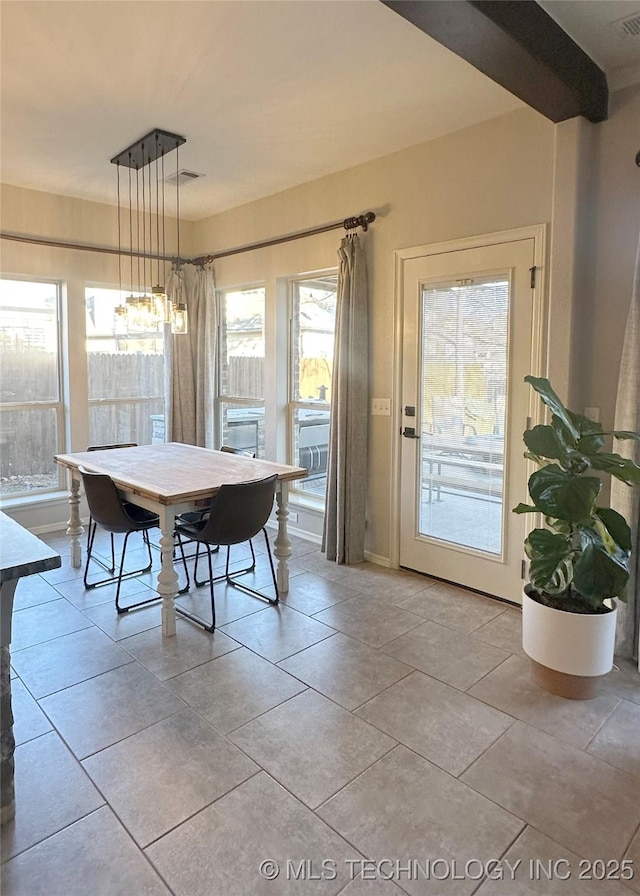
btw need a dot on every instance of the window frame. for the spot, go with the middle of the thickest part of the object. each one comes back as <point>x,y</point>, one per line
<point>223,397</point>
<point>58,405</point>
<point>294,405</point>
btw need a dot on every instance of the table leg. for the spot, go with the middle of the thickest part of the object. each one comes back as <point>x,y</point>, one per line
<point>282,546</point>
<point>167,578</point>
<point>74,527</point>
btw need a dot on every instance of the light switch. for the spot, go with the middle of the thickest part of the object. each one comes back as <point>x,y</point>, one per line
<point>380,407</point>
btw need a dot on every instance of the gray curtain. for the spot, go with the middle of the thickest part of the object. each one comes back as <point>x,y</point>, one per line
<point>190,367</point>
<point>624,499</point>
<point>344,521</point>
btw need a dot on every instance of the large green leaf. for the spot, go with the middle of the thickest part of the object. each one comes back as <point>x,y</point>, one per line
<point>544,441</point>
<point>550,569</point>
<point>557,494</point>
<point>544,389</point>
<point>621,467</point>
<point>597,575</point>
<point>591,434</point>
<point>617,527</point>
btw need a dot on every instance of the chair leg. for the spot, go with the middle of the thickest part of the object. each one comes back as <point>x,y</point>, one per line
<point>121,574</point>
<point>221,577</point>
<point>231,577</point>
<point>91,532</point>
<point>207,627</point>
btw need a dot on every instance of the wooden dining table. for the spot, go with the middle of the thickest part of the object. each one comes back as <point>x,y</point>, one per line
<point>170,479</point>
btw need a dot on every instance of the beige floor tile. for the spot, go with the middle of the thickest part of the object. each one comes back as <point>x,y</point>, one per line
<point>535,865</point>
<point>159,777</point>
<point>277,632</point>
<point>345,670</point>
<point>369,619</point>
<point>618,741</point>
<point>623,681</point>
<point>454,607</point>
<point>510,688</point>
<point>633,855</point>
<point>377,882</point>
<point>123,625</point>
<point>220,851</point>
<point>404,807</point>
<point>44,622</point>
<point>94,855</point>
<point>51,791</point>
<point>54,665</point>
<point>235,688</point>
<point>392,585</point>
<point>29,720</point>
<point>317,563</point>
<point>231,603</point>
<point>82,598</point>
<point>577,800</point>
<point>190,647</point>
<point>309,593</point>
<point>99,712</point>
<point>440,723</point>
<point>450,656</point>
<point>312,746</point>
<point>33,590</point>
<point>504,631</point>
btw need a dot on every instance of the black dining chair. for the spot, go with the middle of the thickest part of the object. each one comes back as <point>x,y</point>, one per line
<point>111,513</point>
<point>91,526</point>
<point>236,514</point>
<point>197,516</point>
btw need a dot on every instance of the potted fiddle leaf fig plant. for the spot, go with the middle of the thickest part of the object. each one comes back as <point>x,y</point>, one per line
<point>579,561</point>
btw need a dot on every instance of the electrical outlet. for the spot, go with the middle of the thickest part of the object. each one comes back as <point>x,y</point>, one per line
<point>380,407</point>
<point>592,414</point>
<point>293,517</point>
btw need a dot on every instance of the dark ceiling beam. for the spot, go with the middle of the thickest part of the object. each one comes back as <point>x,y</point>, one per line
<point>519,46</point>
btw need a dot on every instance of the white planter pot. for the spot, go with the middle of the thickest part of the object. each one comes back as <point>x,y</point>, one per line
<point>577,646</point>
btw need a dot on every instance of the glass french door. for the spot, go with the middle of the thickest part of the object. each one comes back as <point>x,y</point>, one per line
<point>468,318</point>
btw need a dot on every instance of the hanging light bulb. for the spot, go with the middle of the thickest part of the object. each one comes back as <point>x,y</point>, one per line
<point>179,319</point>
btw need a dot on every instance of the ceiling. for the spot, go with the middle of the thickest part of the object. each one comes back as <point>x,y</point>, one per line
<point>268,94</point>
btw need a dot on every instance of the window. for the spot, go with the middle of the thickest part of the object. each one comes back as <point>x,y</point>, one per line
<point>31,409</point>
<point>313,306</point>
<point>241,369</point>
<point>126,376</point>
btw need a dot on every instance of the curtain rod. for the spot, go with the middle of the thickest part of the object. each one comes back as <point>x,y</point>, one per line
<point>348,223</point>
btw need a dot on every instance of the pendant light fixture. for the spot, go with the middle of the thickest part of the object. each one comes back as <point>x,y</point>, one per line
<point>151,306</point>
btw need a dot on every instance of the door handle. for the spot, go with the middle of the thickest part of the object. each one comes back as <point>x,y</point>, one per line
<point>409,433</point>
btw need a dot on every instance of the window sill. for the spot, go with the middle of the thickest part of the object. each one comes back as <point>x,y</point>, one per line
<point>9,502</point>
<point>308,505</point>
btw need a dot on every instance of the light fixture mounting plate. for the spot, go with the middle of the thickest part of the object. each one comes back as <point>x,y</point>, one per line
<point>147,149</point>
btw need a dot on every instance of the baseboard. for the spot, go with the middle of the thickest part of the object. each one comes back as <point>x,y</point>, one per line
<point>377,558</point>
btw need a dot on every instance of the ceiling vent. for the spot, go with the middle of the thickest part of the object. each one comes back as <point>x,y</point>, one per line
<point>627,27</point>
<point>182,177</point>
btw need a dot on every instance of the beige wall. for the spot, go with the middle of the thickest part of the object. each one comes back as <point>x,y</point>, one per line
<point>491,177</point>
<point>494,176</point>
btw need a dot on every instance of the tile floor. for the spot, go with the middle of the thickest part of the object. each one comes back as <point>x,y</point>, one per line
<point>377,733</point>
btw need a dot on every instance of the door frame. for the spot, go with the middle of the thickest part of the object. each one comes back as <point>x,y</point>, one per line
<point>539,340</point>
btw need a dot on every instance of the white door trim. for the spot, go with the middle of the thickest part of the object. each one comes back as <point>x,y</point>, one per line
<point>539,341</point>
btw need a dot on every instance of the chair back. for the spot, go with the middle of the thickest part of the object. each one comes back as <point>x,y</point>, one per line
<point>105,503</point>
<point>109,447</point>
<point>228,449</point>
<point>238,512</point>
